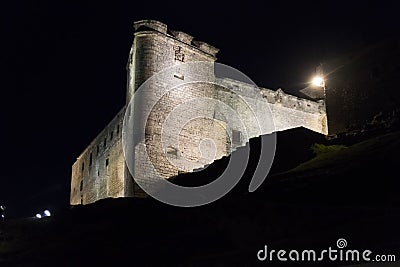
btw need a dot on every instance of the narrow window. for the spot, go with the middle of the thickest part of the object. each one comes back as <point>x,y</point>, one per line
<point>131,58</point>
<point>83,166</point>
<point>179,76</point>
<point>236,137</point>
<point>118,129</point>
<point>107,161</point>
<point>111,135</point>
<point>172,151</point>
<point>105,142</point>
<point>90,159</point>
<point>81,186</point>
<point>98,150</point>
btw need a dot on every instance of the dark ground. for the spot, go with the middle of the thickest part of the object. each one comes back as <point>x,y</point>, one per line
<point>352,193</point>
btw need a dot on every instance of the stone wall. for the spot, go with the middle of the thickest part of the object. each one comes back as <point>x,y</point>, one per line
<point>288,111</point>
<point>99,171</point>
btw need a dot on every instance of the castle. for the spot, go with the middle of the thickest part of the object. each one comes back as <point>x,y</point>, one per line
<point>101,171</point>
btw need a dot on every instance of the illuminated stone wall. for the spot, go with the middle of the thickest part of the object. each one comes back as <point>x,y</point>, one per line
<point>100,170</point>
<point>289,111</point>
<point>101,174</point>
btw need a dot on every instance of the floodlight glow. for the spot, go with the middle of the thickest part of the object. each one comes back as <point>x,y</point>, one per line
<point>318,81</point>
<point>38,216</point>
<point>47,213</point>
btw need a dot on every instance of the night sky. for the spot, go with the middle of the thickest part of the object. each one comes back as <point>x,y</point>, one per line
<point>62,69</point>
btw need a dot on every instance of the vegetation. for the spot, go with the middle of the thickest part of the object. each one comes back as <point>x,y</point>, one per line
<point>340,155</point>
<point>319,149</point>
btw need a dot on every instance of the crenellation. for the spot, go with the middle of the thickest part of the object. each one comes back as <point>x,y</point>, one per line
<point>275,97</point>
<point>290,101</point>
<point>183,37</point>
<point>149,24</point>
<point>205,47</point>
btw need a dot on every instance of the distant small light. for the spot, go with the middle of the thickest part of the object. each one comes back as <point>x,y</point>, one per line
<point>2,216</point>
<point>318,81</point>
<point>47,213</point>
<point>38,216</point>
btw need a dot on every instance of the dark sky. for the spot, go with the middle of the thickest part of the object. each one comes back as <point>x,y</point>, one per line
<point>62,69</point>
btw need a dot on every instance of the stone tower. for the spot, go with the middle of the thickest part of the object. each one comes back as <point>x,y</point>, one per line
<point>155,49</point>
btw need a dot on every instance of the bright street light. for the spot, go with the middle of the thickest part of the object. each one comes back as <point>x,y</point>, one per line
<point>318,81</point>
<point>38,216</point>
<point>47,213</point>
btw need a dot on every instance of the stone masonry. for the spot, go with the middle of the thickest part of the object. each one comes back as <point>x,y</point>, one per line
<point>101,170</point>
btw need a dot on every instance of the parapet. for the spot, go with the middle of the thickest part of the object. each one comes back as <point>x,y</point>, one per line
<point>278,97</point>
<point>183,37</point>
<point>290,101</point>
<point>209,49</point>
<point>154,25</point>
<point>150,24</point>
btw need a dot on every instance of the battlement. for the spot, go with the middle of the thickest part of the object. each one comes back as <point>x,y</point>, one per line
<point>183,37</point>
<point>290,101</point>
<point>278,97</point>
<point>154,25</point>
<point>148,24</point>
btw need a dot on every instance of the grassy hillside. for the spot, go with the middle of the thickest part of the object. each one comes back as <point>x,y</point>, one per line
<point>372,149</point>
